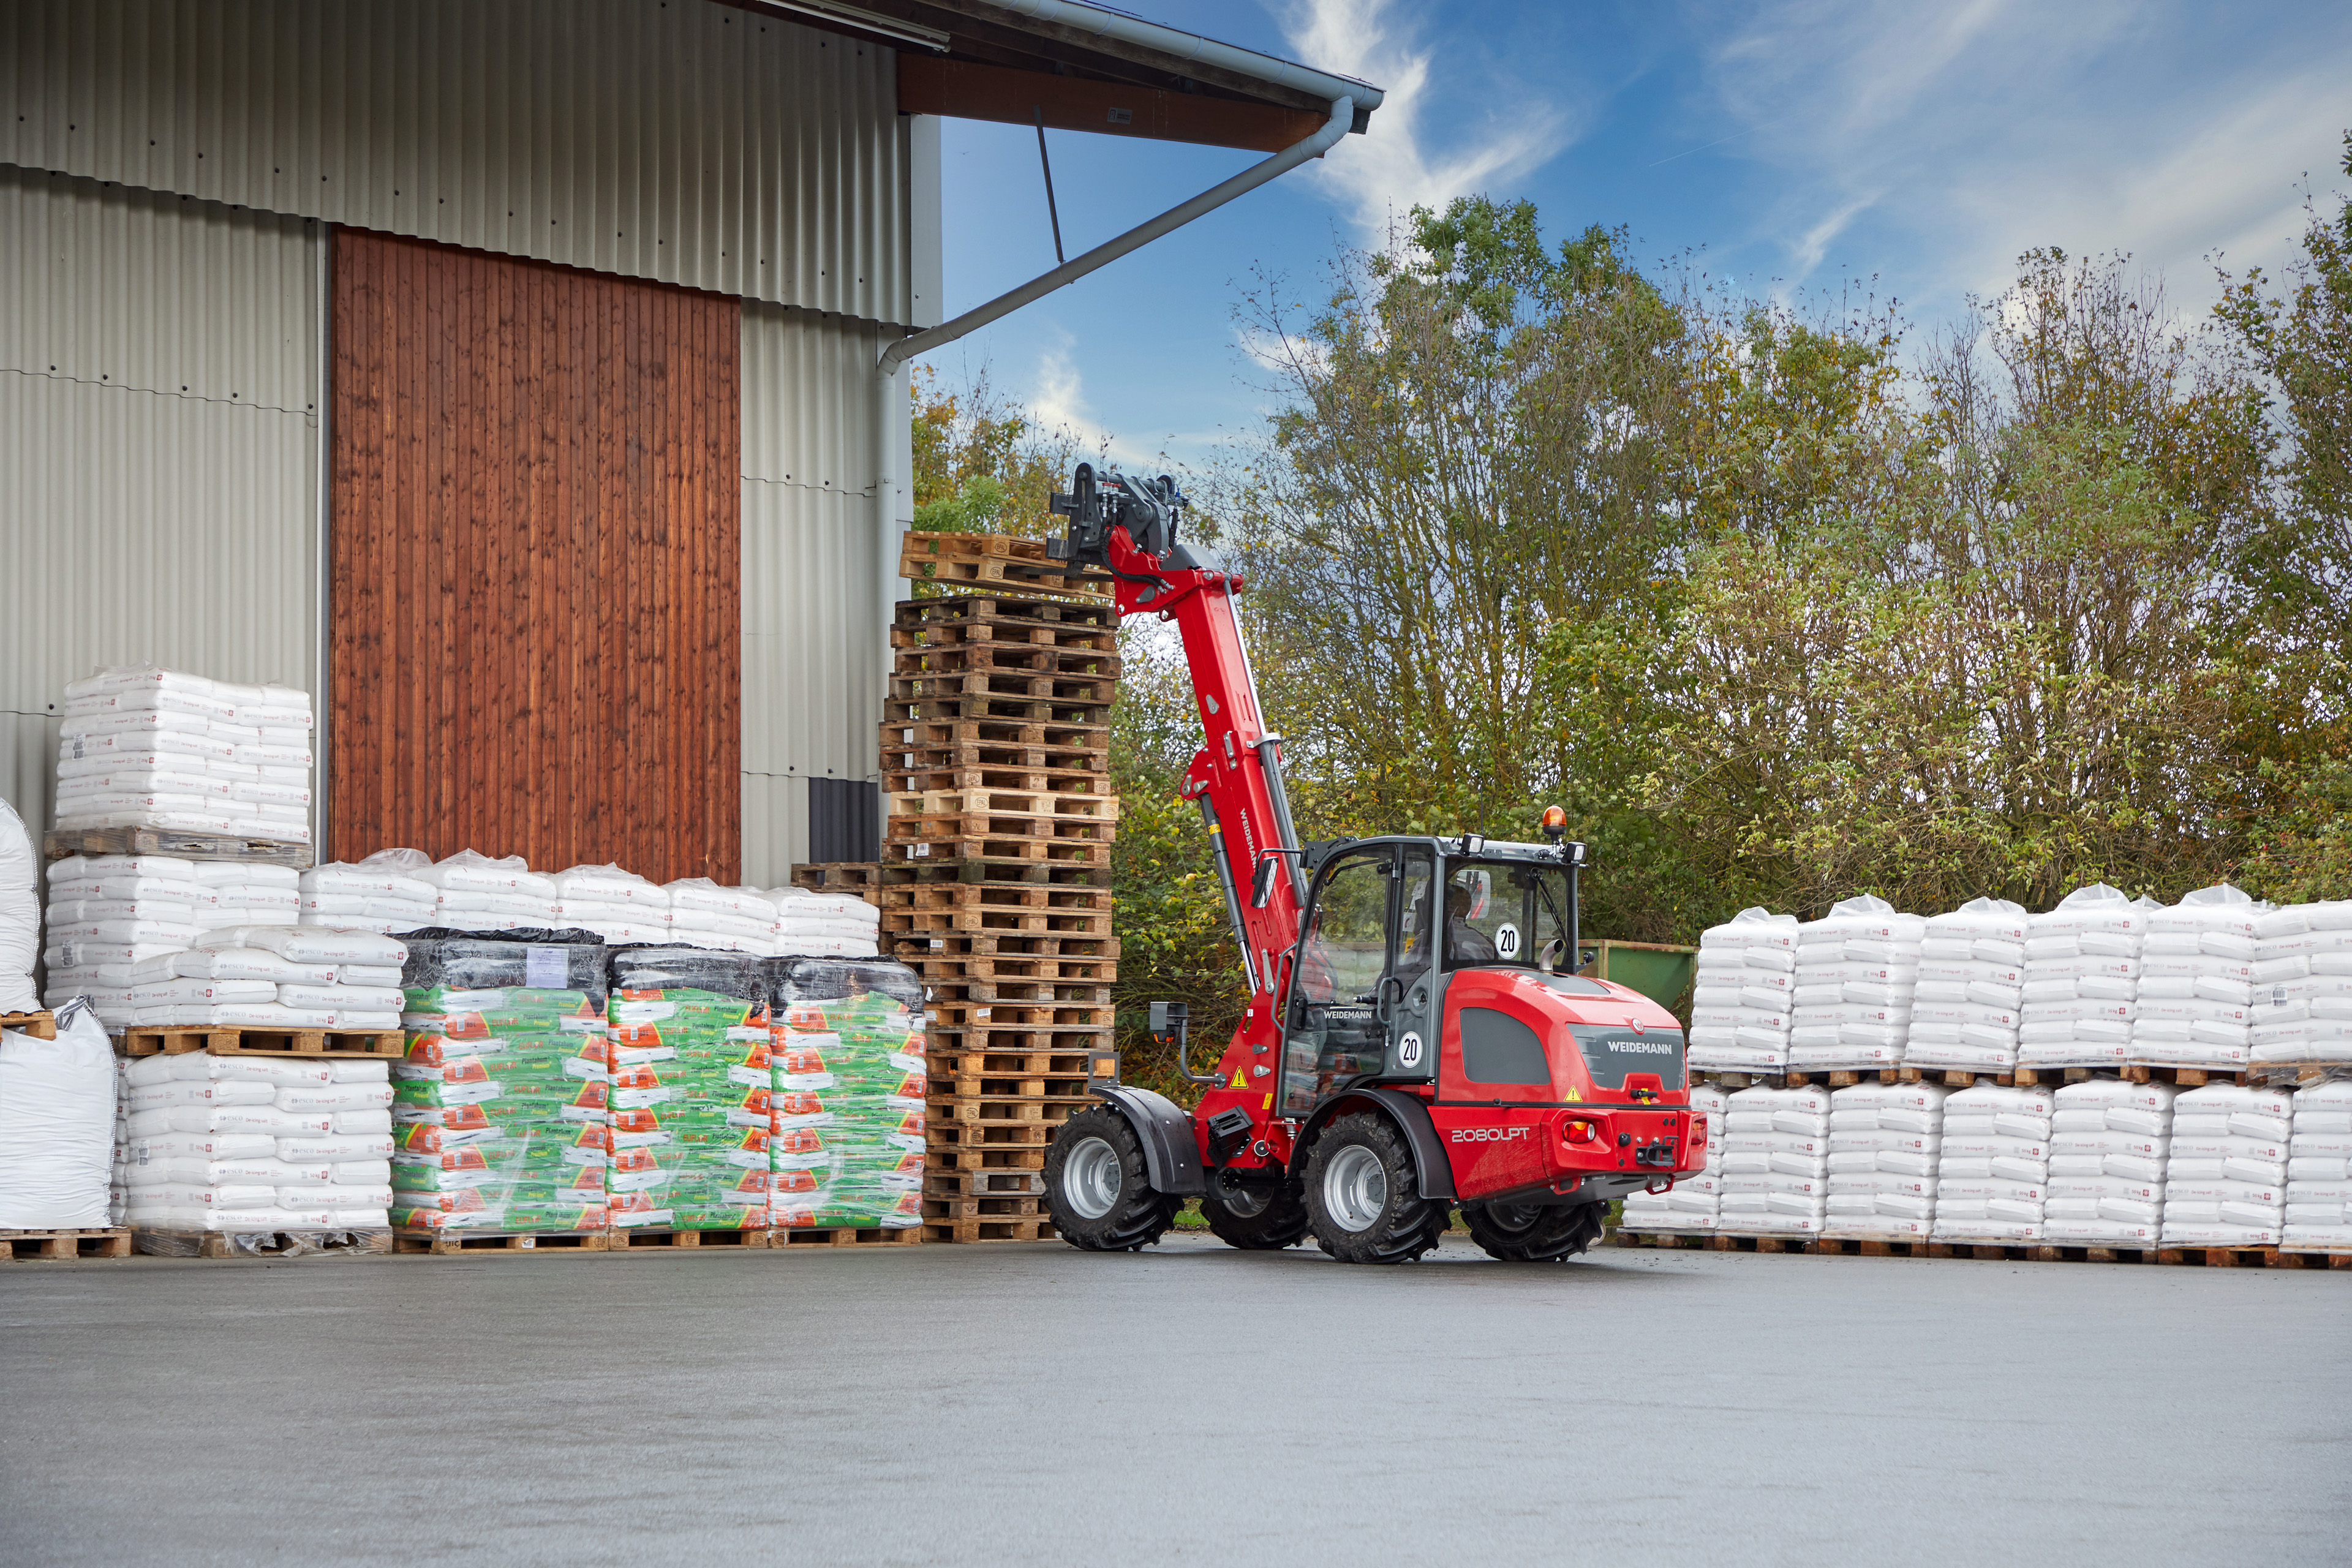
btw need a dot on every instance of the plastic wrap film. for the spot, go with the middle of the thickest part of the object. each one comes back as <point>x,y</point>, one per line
<point>849,1084</point>
<point>265,1243</point>
<point>692,1117</point>
<point>499,1104</point>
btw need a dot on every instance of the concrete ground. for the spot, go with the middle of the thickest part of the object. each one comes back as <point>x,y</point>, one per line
<point>1030,1403</point>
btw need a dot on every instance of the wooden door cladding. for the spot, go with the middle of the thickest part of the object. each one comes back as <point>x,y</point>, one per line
<point>534,581</point>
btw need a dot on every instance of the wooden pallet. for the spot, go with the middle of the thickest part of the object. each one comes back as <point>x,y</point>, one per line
<point>989,1181</point>
<point>1047,804</point>
<point>967,752</point>
<point>1839,1078</point>
<point>1870,1247</point>
<point>967,1231</point>
<point>1020,879</point>
<point>858,878</point>
<point>225,1041</point>
<point>985,1205</point>
<point>1005,1109</point>
<point>1063,691</point>
<point>1025,1015</point>
<point>1015,989</point>
<point>1955,1077</point>
<point>999,617</point>
<point>794,1236</point>
<point>947,1044</point>
<point>997,944</point>
<point>992,657</point>
<point>964,561</point>
<point>628,1238</point>
<point>1078,738</point>
<point>916,841</point>
<point>960,1138</point>
<point>40,1026</point>
<point>1042,710</point>
<point>2309,1258</point>
<point>58,843</point>
<point>2186,1077</point>
<point>30,1245</point>
<point>497,1243</point>
<point>947,1158</point>
<point>2027,1078</point>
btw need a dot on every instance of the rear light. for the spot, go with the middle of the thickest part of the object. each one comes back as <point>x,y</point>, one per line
<point>1579,1133</point>
<point>1699,1132</point>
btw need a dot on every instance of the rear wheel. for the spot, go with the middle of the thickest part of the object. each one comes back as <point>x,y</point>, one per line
<point>1532,1233</point>
<point>1256,1217</point>
<point>1363,1199</point>
<point>1096,1186</point>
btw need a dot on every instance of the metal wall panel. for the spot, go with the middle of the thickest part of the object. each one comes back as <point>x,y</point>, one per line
<point>814,660</point>
<point>158,448</point>
<point>685,142</point>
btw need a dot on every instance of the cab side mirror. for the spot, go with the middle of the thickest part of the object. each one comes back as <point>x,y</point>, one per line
<point>1262,884</point>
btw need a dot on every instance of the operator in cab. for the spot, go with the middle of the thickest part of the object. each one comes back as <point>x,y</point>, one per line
<point>1464,943</point>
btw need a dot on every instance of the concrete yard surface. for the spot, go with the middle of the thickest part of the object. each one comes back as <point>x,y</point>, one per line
<point>1031,1403</point>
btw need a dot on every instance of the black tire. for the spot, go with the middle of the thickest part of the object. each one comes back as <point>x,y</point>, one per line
<point>1363,1200</point>
<point>1528,1233</point>
<point>1097,1163</point>
<point>1258,1218</point>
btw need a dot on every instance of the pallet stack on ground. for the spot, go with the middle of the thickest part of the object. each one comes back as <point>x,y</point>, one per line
<point>996,885</point>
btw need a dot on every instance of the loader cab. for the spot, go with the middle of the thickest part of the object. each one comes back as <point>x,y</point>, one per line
<point>1388,923</point>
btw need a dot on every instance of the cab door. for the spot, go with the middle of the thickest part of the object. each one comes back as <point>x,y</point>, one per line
<point>1363,988</point>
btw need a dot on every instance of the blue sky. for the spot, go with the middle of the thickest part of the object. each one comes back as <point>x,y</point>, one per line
<point>1798,146</point>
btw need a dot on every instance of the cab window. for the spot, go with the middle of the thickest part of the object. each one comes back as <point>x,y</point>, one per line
<point>1347,945</point>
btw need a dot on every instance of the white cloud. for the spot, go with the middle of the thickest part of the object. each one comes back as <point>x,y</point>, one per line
<point>1396,165</point>
<point>1057,400</point>
<point>1977,130</point>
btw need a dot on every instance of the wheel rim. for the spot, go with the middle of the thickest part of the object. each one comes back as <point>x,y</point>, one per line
<point>1515,1218</point>
<point>1355,1188</point>
<point>1091,1177</point>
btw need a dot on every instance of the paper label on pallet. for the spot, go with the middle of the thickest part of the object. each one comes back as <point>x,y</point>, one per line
<point>624,1219</point>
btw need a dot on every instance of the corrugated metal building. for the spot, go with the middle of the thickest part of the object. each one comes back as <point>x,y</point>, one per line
<point>505,376</point>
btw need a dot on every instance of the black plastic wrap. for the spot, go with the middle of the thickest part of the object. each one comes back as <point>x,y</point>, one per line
<point>476,960</point>
<point>830,979</point>
<point>672,967</point>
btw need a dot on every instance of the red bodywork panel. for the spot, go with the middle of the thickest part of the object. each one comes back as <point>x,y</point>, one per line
<point>1498,1138</point>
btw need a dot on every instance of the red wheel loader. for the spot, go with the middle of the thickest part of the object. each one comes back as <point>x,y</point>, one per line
<point>1416,1038</point>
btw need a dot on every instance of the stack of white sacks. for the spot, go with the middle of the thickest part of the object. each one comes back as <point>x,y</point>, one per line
<point>2081,979</point>
<point>1746,987</point>
<point>1851,1004</point>
<point>1993,1173</point>
<point>404,890</point>
<point>2110,1144</point>
<point>2225,1181</point>
<point>825,925</point>
<point>1964,1009</point>
<point>2302,984</point>
<point>1885,1141</point>
<point>2196,995</point>
<point>1776,1146</point>
<point>257,1143</point>
<point>111,913</point>
<point>2319,1170</point>
<point>1693,1203</point>
<point>142,747</point>
<point>20,914</point>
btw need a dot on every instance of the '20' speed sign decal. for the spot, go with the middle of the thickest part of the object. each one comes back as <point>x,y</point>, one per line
<point>1506,941</point>
<point>1409,1051</point>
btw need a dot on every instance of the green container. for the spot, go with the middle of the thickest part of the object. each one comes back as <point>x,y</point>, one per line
<point>1662,972</point>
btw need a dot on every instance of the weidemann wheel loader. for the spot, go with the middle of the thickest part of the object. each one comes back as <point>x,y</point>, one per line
<point>1416,1038</point>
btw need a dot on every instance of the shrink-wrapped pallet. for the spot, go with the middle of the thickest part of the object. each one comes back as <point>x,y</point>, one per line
<point>1884,1139</point>
<point>850,1086</point>
<point>1855,970</point>
<point>257,1143</point>
<point>825,925</point>
<point>1964,1008</point>
<point>2301,984</point>
<point>2081,979</point>
<point>2226,1172</point>
<point>1775,1162</point>
<point>2195,1006</point>
<point>1744,990</point>
<point>500,1103</point>
<point>113,918</point>
<point>692,1089</point>
<point>141,746</point>
<point>1992,1172</point>
<point>382,893</point>
<point>2109,1145</point>
<point>2318,1212</point>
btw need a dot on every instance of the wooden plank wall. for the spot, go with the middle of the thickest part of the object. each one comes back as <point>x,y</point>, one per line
<point>536,563</point>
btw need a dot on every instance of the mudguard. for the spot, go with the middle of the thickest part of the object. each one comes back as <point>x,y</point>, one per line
<point>1171,1158</point>
<point>1435,1171</point>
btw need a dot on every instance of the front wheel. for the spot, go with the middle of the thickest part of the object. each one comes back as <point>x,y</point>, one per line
<point>1363,1199</point>
<point>1256,1217</point>
<point>1096,1186</point>
<point>1530,1233</point>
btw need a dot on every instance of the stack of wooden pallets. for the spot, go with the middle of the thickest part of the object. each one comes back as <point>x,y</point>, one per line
<point>996,885</point>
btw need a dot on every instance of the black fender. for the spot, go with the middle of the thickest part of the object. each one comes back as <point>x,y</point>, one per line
<point>1171,1158</point>
<point>1430,1163</point>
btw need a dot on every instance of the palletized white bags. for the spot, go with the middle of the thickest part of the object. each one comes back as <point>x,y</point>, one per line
<point>2225,1177</point>
<point>1964,1008</point>
<point>1744,992</point>
<point>2196,997</point>
<point>2081,979</point>
<point>2318,1212</point>
<point>2302,984</point>
<point>1885,1141</point>
<point>143,746</point>
<point>1775,1162</point>
<point>1851,1003</point>
<point>257,1143</point>
<point>2109,1145</point>
<point>1992,1171</point>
